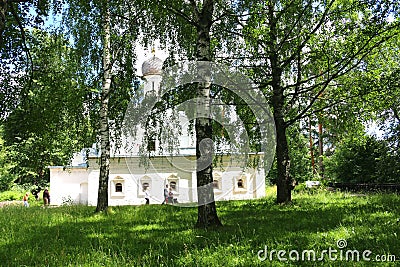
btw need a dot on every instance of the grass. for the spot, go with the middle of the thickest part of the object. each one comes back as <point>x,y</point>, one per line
<point>157,235</point>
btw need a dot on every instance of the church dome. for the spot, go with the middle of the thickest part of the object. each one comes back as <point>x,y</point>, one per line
<point>152,66</point>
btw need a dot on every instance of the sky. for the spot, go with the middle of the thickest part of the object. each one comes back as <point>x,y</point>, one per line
<point>373,129</point>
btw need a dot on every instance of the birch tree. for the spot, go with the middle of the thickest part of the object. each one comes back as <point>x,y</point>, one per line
<point>106,32</point>
<point>200,16</point>
<point>102,198</point>
<point>207,213</point>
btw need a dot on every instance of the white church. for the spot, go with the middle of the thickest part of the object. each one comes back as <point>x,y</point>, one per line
<point>129,178</point>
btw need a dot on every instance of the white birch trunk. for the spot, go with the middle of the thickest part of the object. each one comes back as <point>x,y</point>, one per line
<point>207,212</point>
<point>102,198</point>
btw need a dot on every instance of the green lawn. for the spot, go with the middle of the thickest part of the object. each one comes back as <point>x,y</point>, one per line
<point>164,235</point>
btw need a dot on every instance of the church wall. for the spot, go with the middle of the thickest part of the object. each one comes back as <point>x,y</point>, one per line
<point>65,184</point>
<point>260,183</point>
<point>253,184</point>
<point>93,187</point>
<point>132,178</point>
<point>127,178</point>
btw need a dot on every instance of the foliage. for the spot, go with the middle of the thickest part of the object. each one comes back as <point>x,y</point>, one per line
<point>156,235</point>
<point>387,107</point>
<point>53,119</point>
<point>16,192</point>
<point>337,60</point>
<point>16,66</point>
<point>11,195</point>
<point>303,56</point>
<point>7,178</point>
<point>363,159</point>
<point>83,22</point>
<point>373,94</point>
<point>300,167</point>
<point>105,33</point>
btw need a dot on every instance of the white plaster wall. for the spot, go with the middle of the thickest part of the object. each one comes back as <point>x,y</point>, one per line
<point>69,183</point>
<point>193,189</point>
<point>260,189</point>
<point>228,190</point>
<point>93,182</point>
<point>152,84</point>
<point>66,184</point>
<point>132,189</point>
<point>128,194</point>
<point>156,188</point>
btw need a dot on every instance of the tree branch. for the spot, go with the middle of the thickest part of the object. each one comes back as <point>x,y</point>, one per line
<point>182,15</point>
<point>305,41</point>
<point>195,10</point>
<point>25,47</point>
<point>286,37</point>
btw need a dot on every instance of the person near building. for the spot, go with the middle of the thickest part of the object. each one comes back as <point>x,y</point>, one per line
<point>46,197</point>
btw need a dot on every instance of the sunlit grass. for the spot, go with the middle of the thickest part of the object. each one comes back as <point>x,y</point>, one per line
<point>158,235</point>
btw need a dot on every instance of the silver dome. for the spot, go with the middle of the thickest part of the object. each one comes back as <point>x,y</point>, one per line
<point>152,66</point>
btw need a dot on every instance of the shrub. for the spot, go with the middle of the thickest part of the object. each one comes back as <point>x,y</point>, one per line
<point>6,180</point>
<point>362,160</point>
<point>11,195</point>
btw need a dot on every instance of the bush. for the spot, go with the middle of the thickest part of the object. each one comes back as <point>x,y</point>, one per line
<point>11,195</point>
<point>363,160</point>
<point>300,187</point>
<point>6,180</point>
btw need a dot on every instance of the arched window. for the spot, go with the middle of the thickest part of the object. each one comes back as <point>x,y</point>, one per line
<point>172,185</point>
<point>118,187</point>
<point>145,183</point>
<point>145,186</point>
<point>240,183</point>
<point>216,184</point>
<point>151,146</point>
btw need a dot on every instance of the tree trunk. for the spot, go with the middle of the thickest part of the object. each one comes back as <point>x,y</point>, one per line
<point>321,150</point>
<point>284,181</point>
<point>102,197</point>
<point>311,147</point>
<point>207,212</point>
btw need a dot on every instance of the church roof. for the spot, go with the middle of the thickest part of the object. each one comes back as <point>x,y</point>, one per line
<point>152,66</point>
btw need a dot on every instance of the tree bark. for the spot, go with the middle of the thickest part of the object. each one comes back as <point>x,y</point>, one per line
<point>311,146</point>
<point>284,181</point>
<point>102,197</point>
<point>321,150</point>
<point>207,212</point>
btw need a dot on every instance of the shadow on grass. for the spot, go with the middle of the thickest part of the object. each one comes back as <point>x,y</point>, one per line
<point>165,236</point>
